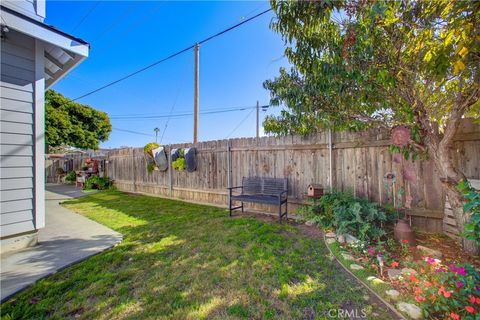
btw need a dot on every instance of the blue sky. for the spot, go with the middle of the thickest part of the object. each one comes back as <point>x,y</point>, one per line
<point>126,36</point>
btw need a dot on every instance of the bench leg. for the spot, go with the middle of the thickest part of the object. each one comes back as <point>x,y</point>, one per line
<point>280,213</point>
<point>242,206</point>
<point>286,210</point>
<point>230,205</point>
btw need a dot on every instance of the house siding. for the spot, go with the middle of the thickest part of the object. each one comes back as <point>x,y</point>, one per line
<point>17,143</point>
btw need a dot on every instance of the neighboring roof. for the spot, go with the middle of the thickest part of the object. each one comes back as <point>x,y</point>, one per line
<point>63,52</point>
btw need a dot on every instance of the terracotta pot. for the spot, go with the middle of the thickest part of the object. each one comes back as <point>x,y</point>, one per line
<point>403,231</point>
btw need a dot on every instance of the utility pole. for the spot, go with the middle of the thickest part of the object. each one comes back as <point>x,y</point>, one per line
<point>195,95</point>
<point>157,130</point>
<point>258,119</point>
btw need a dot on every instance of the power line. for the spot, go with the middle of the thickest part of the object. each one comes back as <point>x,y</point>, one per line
<point>92,8</point>
<point>240,123</point>
<point>186,114</point>
<point>170,56</point>
<point>133,132</point>
<point>128,115</point>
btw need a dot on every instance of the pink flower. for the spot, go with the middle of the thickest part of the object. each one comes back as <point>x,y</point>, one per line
<point>453,268</point>
<point>430,260</point>
<point>440,270</point>
<point>470,309</point>
<point>460,284</point>
<point>461,271</point>
<point>371,252</point>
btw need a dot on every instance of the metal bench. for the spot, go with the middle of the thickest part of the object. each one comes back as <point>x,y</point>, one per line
<point>261,190</point>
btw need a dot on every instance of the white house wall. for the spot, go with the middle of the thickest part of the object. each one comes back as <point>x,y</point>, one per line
<point>17,135</point>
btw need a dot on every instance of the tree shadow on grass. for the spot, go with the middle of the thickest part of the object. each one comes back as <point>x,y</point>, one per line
<point>191,262</point>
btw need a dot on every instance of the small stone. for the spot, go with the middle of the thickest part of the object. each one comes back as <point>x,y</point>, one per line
<point>347,256</point>
<point>330,235</point>
<point>408,271</point>
<point>341,238</point>
<point>310,223</point>
<point>394,273</point>
<point>393,294</point>
<point>430,252</point>
<point>378,281</point>
<point>366,297</point>
<point>330,240</point>
<point>130,259</point>
<point>411,310</point>
<point>350,239</point>
<point>356,267</point>
<point>375,280</point>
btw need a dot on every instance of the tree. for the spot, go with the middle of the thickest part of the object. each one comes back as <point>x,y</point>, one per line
<point>74,124</point>
<point>360,64</point>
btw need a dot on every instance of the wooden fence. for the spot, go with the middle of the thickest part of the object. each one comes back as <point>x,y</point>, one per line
<point>358,162</point>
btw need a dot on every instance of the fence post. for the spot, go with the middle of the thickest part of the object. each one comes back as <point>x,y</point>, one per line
<point>229,167</point>
<point>170,173</point>
<point>330,157</point>
<point>134,160</point>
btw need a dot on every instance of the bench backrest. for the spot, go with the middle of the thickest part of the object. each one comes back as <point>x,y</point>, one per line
<point>263,186</point>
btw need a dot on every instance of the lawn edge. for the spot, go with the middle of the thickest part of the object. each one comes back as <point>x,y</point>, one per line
<point>9,297</point>
<point>370,289</point>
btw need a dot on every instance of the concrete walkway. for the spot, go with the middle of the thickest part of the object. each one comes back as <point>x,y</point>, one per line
<point>67,239</point>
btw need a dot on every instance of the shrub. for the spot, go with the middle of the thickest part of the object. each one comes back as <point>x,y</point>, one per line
<point>96,182</point>
<point>348,214</point>
<point>472,208</point>
<point>71,176</point>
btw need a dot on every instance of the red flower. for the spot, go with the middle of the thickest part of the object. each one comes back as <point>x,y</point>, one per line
<point>446,294</point>
<point>470,309</point>
<point>412,278</point>
<point>478,301</point>
<point>419,298</point>
<point>407,259</point>
<point>454,316</point>
<point>427,284</point>
<point>472,299</point>
<point>394,264</point>
<point>405,241</point>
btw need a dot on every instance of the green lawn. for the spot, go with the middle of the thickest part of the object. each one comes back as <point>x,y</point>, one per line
<point>184,261</point>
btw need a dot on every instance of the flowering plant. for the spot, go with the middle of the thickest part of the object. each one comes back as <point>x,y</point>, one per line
<point>443,292</point>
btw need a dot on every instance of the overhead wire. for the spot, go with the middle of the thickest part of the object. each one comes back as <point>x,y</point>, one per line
<point>240,123</point>
<point>186,114</point>
<point>92,8</point>
<point>170,56</point>
<point>132,131</point>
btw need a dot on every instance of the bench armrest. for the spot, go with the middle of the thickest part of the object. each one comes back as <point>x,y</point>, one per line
<point>284,192</point>
<point>231,188</point>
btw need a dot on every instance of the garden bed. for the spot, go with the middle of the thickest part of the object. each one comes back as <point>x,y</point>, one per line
<point>432,279</point>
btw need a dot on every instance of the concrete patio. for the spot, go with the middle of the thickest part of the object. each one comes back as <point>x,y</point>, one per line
<point>67,239</point>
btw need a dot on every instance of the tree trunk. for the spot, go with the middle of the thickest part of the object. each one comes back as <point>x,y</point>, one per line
<point>442,155</point>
